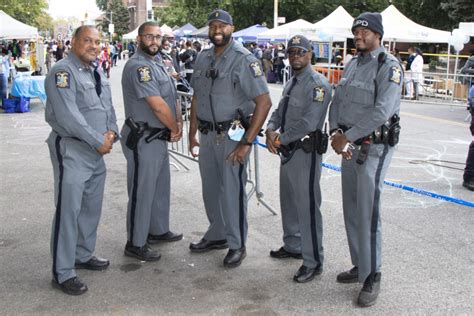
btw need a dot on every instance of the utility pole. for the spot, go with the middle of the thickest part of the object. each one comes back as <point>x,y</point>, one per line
<point>275,13</point>
<point>111,29</point>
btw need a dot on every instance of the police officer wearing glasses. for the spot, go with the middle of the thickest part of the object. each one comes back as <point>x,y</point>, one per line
<point>301,142</point>
<point>365,127</point>
<point>152,119</point>
<point>80,112</point>
<point>229,106</point>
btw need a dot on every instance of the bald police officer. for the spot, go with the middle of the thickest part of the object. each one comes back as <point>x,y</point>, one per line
<point>300,118</point>
<point>150,100</point>
<point>228,83</point>
<point>80,112</point>
<point>364,115</point>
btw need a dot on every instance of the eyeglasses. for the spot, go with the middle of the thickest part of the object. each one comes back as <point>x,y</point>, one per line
<point>296,53</point>
<point>151,37</point>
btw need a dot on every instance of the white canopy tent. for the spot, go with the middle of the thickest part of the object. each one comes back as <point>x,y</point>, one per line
<point>337,24</point>
<point>132,35</point>
<point>285,31</point>
<point>14,29</point>
<point>399,28</point>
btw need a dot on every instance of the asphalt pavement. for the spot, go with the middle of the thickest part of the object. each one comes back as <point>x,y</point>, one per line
<point>428,251</point>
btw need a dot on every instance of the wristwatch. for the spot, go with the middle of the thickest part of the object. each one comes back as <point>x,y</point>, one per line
<point>244,141</point>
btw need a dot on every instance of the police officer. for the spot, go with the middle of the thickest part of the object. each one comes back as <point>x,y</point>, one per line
<point>80,113</point>
<point>300,115</point>
<point>227,80</point>
<point>364,116</point>
<point>150,101</point>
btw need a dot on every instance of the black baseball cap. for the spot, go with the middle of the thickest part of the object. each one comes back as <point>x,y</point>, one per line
<point>299,41</point>
<point>220,15</point>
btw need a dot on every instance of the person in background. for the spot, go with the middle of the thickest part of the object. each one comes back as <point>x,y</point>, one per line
<point>417,73</point>
<point>59,54</point>
<point>104,61</point>
<point>48,59</point>
<point>468,176</point>
<point>4,72</point>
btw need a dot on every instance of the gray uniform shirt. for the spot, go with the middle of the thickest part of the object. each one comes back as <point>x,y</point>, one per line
<point>307,106</point>
<point>364,98</point>
<point>73,108</point>
<point>240,80</point>
<point>144,77</point>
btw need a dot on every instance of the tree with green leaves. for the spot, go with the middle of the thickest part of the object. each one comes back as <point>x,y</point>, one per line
<point>459,10</point>
<point>120,17</point>
<point>431,13</point>
<point>31,12</point>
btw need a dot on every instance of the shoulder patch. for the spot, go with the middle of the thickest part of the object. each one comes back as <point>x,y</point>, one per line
<point>395,74</point>
<point>256,69</point>
<point>318,94</point>
<point>144,74</point>
<point>62,79</point>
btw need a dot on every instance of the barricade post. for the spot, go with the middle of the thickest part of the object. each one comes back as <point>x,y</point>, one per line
<point>179,150</point>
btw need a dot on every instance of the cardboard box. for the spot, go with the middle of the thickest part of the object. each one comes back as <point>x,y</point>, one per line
<point>441,84</point>
<point>460,91</point>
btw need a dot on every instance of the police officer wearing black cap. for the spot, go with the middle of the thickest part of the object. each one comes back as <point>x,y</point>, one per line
<point>300,118</point>
<point>229,88</point>
<point>365,127</point>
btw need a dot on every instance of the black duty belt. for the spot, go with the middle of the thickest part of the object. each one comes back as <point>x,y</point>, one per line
<point>388,133</point>
<point>221,127</point>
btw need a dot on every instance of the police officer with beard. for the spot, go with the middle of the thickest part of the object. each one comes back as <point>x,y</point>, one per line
<point>229,87</point>
<point>364,116</point>
<point>152,119</point>
<point>299,118</point>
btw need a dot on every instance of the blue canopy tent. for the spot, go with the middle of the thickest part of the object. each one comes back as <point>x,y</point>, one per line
<point>184,30</point>
<point>201,33</point>
<point>250,34</point>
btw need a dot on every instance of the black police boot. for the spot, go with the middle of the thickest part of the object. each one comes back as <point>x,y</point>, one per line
<point>282,253</point>
<point>370,291</point>
<point>72,286</point>
<point>305,274</point>
<point>166,237</point>
<point>351,276</point>
<point>94,263</point>
<point>144,253</point>
<point>206,245</point>
<point>234,257</point>
<point>468,184</point>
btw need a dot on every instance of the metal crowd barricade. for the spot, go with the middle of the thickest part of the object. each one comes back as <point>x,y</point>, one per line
<point>179,151</point>
<point>438,87</point>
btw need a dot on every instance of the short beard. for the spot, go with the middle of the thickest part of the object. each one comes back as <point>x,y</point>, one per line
<point>225,40</point>
<point>147,50</point>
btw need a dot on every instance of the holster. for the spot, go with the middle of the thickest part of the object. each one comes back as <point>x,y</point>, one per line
<point>136,132</point>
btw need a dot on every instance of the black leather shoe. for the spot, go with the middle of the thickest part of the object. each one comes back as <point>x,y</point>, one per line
<point>94,263</point>
<point>72,286</point>
<point>206,245</point>
<point>468,185</point>
<point>351,276</point>
<point>234,258</point>
<point>144,253</point>
<point>166,237</point>
<point>370,291</point>
<point>305,274</point>
<point>283,254</point>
